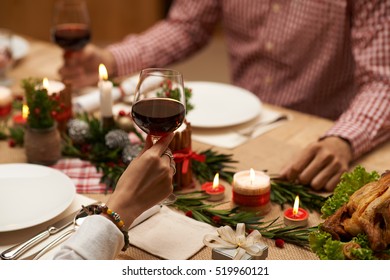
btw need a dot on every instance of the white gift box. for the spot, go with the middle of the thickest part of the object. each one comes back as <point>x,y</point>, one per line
<point>228,253</point>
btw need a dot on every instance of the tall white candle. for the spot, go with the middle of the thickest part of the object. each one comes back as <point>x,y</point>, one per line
<point>105,88</point>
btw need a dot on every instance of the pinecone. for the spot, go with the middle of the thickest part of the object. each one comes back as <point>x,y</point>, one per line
<point>78,130</point>
<point>117,138</point>
<point>130,152</point>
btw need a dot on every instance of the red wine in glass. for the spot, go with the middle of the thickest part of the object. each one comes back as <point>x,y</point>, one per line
<point>71,36</point>
<point>158,116</point>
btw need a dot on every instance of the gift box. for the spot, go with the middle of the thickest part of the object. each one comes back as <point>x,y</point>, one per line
<point>229,253</point>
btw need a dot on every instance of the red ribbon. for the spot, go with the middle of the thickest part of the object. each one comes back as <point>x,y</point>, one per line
<point>184,156</point>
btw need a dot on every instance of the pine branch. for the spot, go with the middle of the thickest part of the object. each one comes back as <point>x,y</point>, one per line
<point>283,192</point>
<point>193,206</point>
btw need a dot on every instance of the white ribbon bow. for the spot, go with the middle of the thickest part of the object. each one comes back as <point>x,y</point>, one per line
<point>229,239</point>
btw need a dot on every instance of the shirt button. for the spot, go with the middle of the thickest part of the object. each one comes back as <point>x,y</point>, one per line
<point>269,46</point>
<point>276,8</point>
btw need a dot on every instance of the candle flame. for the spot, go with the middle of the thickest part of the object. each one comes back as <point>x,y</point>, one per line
<point>252,175</point>
<point>45,83</point>
<point>25,111</point>
<point>216,181</point>
<point>296,205</point>
<point>103,75</point>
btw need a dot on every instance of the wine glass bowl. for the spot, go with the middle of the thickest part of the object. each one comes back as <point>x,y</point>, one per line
<point>71,25</point>
<point>159,102</point>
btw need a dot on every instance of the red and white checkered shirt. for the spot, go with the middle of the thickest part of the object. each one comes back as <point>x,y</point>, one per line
<point>329,58</point>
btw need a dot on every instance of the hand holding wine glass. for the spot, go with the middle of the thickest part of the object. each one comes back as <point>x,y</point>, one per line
<point>71,25</point>
<point>159,114</point>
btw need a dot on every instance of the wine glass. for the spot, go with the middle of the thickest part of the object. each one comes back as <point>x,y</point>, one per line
<point>6,57</point>
<point>71,25</point>
<point>159,104</point>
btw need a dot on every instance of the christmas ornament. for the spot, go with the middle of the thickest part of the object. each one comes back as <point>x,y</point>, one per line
<point>117,138</point>
<point>130,152</point>
<point>78,130</point>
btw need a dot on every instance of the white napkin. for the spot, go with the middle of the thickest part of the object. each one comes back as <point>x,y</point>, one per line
<point>170,235</point>
<point>89,100</point>
<point>232,137</point>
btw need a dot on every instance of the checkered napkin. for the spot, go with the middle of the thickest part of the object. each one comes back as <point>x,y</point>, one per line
<point>84,175</point>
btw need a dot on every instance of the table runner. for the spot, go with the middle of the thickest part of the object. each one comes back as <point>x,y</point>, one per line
<point>83,173</point>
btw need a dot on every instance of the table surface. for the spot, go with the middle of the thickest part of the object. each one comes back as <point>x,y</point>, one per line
<point>269,151</point>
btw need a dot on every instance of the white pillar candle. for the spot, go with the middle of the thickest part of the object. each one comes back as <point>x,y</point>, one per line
<point>5,101</point>
<point>105,88</point>
<point>53,86</point>
<point>252,189</point>
<point>5,96</point>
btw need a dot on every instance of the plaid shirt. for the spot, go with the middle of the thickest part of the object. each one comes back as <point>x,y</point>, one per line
<point>329,58</point>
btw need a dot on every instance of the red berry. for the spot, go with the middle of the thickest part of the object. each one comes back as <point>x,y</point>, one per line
<point>189,213</point>
<point>37,111</point>
<point>216,219</point>
<point>122,113</point>
<point>11,143</point>
<point>279,243</point>
<point>53,114</point>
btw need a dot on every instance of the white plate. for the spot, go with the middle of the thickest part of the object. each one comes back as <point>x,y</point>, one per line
<point>20,47</point>
<point>32,194</point>
<point>221,105</point>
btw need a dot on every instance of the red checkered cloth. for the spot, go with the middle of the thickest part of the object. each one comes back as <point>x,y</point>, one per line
<point>84,175</point>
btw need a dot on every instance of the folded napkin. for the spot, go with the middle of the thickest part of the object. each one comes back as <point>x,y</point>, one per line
<point>231,137</point>
<point>170,235</point>
<point>89,99</point>
<point>83,174</point>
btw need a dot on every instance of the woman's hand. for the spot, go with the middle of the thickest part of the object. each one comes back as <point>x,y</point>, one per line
<point>146,181</point>
<point>321,164</point>
<point>81,68</point>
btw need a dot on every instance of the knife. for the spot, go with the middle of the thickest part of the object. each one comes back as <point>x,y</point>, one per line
<point>17,250</point>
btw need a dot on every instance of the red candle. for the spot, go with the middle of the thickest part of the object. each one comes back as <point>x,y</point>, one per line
<point>21,119</point>
<point>296,216</point>
<point>214,189</point>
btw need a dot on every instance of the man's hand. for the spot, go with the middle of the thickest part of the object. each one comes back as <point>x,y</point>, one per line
<point>81,68</point>
<point>321,164</point>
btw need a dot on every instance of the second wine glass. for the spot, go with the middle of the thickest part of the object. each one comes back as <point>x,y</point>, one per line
<point>159,104</point>
<point>71,25</point>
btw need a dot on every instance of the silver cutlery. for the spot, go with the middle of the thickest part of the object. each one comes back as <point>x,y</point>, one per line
<point>17,250</point>
<point>248,132</point>
<point>77,221</point>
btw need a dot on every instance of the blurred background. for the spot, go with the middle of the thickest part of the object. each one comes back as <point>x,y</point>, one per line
<point>111,21</point>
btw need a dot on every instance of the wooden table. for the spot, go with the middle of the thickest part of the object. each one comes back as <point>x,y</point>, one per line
<point>270,151</point>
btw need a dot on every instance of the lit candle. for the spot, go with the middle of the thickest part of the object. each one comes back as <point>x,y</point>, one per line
<point>105,88</point>
<point>214,190</point>
<point>296,216</point>
<point>5,102</point>
<point>52,86</point>
<point>252,189</point>
<point>21,119</point>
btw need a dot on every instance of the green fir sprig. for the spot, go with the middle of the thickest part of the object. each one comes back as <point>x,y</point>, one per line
<point>193,205</point>
<point>284,192</point>
<point>215,163</point>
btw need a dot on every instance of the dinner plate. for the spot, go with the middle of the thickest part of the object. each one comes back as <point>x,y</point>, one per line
<point>221,105</point>
<point>20,47</point>
<point>32,194</point>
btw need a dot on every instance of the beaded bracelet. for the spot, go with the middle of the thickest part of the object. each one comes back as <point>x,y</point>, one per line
<point>97,209</point>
